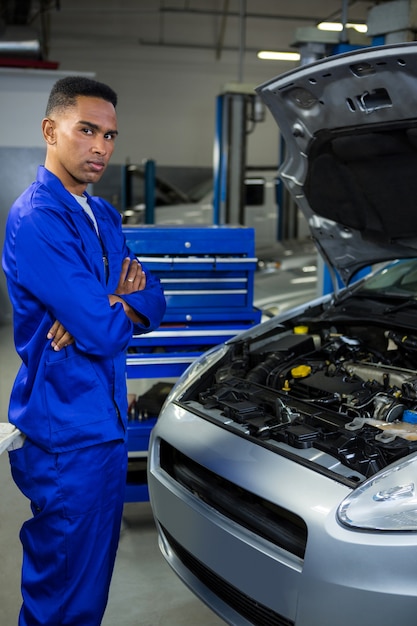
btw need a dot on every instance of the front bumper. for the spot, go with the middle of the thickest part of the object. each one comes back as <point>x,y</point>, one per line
<point>342,576</point>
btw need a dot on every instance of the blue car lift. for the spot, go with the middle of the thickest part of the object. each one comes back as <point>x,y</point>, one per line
<point>208,278</point>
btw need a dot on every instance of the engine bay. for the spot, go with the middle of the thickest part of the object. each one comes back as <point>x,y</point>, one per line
<point>347,390</point>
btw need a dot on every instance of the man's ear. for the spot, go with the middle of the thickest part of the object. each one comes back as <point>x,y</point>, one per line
<point>48,130</point>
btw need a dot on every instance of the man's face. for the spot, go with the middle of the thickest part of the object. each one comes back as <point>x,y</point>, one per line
<point>80,142</point>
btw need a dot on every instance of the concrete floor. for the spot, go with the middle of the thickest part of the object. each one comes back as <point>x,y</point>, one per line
<point>144,590</point>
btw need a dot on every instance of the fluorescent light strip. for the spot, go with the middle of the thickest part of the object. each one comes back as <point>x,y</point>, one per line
<point>338,27</point>
<point>303,279</point>
<point>270,55</point>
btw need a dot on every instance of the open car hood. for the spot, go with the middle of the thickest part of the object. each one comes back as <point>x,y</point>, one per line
<point>350,128</point>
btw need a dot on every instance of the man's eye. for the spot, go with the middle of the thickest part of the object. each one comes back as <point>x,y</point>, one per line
<point>87,131</point>
<point>110,136</point>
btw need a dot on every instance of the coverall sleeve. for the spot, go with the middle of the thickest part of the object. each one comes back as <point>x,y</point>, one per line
<point>56,266</point>
<point>149,302</point>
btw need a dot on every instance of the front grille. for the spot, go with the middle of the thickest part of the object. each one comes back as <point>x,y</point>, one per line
<point>279,526</point>
<point>257,614</point>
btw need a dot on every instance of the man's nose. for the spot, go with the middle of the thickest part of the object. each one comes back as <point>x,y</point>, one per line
<point>100,145</point>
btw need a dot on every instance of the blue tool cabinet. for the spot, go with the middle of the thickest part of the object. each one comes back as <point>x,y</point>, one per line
<point>208,278</point>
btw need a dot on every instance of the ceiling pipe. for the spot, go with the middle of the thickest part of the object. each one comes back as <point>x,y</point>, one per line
<point>344,20</point>
<point>20,41</point>
<point>242,38</point>
<point>269,16</point>
<point>220,41</point>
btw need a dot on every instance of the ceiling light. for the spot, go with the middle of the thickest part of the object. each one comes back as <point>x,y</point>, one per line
<point>303,279</point>
<point>338,27</point>
<point>270,55</point>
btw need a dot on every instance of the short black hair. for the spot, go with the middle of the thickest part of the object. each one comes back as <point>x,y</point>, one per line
<point>66,91</point>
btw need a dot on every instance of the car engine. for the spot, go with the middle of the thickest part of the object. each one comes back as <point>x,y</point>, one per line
<point>349,391</point>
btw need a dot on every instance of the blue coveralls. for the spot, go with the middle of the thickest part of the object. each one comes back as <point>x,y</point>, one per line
<point>71,404</point>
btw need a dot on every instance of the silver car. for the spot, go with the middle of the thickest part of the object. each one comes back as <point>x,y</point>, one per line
<point>283,467</point>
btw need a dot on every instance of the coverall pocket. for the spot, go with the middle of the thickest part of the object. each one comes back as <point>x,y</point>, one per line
<point>74,395</point>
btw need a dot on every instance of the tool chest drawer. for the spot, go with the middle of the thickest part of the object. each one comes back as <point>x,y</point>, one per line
<point>169,350</point>
<point>207,273</point>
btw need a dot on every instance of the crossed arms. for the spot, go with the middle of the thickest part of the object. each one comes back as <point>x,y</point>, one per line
<point>132,278</point>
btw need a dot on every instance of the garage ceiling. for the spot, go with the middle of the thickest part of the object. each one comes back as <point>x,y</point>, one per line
<point>216,25</point>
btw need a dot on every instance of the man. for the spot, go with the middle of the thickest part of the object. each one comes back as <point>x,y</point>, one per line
<point>77,294</point>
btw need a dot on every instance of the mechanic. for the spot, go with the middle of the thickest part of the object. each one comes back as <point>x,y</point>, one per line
<point>78,294</point>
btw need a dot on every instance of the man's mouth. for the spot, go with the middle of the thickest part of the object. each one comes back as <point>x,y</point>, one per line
<point>97,166</point>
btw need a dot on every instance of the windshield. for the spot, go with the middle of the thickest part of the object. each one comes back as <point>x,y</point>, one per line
<point>396,279</point>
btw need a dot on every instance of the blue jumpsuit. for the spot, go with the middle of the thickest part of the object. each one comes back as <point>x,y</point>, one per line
<point>70,404</point>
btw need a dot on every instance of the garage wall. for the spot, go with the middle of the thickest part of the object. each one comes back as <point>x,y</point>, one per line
<point>23,97</point>
<point>167,95</point>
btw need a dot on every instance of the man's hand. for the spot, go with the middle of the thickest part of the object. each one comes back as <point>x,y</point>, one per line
<point>60,337</point>
<point>132,277</point>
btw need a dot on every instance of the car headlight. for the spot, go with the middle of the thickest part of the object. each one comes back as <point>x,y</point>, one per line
<point>195,370</point>
<point>387,501</point>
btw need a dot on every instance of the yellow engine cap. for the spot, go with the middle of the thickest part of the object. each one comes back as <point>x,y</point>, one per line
<point>301,371</point>
<point>300,330</point>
